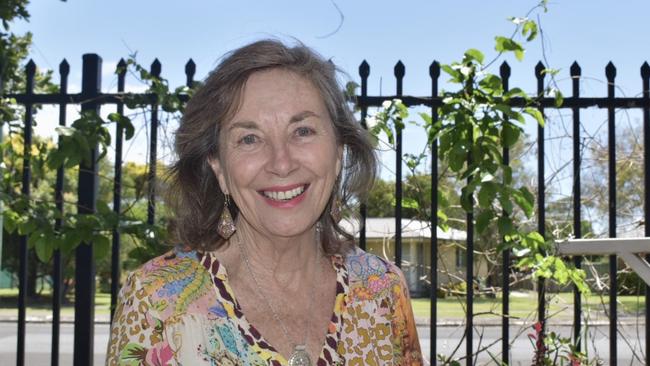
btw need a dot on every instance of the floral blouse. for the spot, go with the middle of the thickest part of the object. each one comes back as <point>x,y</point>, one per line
<point>178,309</point>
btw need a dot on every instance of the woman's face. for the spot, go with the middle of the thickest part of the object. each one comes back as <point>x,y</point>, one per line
<point>278,155</point>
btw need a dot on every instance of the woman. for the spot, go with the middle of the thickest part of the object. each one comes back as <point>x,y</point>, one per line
<point>268,156</point>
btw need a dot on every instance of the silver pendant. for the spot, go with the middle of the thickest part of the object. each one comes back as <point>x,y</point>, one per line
<point>299,356</point>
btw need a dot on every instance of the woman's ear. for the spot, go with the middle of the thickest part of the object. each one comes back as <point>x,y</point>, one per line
<point>219,174</point>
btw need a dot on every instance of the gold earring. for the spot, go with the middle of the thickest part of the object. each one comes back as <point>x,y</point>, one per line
<point>226,226</point>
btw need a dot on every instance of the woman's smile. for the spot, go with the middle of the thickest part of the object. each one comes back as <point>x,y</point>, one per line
<point>285,197</point>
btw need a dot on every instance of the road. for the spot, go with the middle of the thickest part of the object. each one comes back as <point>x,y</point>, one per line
<point>39,343</point>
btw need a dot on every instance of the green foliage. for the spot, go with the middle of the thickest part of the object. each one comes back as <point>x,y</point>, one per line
<point>477,122</point>
<point>34,216</point>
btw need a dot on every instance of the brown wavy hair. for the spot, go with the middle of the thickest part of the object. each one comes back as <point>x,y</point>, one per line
<point>193,190</point>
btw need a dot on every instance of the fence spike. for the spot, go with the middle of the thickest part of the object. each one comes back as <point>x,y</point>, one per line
<point>156,68</point>
<point>434,69</point>
<point>190,70</point>
<point>610,71</point>
<point>399,69</point>
<point>30,68</point>
<point>504,70</point>
<point>539,70</point>
<point>121,67</point>
<point>64,68</point>
<point>364,69</point>
<point>645,70</point>
<point>575,69</point>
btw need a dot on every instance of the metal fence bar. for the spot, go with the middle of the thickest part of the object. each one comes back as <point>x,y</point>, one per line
<point>575,72</point>
<point>153,151</point>
<point>541,215</point>
<point>374,101</point>
<point>30,71</point>
<point>543,102</point>
<point>469,279</point>
<point>610,72</point>
<point>645,76</point>
<point>504,72</point>
<point>434,73</point>
<point>84,316</point>
<point>117,192</point>
<point>399,71</point>
<point>57,266</point>
<point>364,72</point>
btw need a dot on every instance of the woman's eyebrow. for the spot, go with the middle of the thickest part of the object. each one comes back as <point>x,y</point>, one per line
<point>302,115</point>
<point>249,125</point>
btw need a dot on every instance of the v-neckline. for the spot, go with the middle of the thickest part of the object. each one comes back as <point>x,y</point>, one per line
<point>334,327</point>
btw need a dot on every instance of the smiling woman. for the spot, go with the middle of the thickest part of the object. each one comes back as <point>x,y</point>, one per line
<point>269,155</point>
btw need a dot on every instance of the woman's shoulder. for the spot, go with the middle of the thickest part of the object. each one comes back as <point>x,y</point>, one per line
<point>370,275</point>
<point>171,265</point>
<point>172,282</point>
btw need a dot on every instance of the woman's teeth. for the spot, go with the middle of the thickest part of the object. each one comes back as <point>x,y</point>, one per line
<point>284,195</point>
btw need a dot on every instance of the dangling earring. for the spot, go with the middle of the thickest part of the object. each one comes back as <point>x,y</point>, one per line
<point>335,209</point>
<point>226,226</point>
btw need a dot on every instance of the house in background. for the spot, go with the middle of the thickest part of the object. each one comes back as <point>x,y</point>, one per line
<point>416,251</point>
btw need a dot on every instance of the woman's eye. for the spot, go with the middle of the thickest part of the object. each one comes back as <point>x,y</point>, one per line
<point>304,131</point>
<point>248,140</point>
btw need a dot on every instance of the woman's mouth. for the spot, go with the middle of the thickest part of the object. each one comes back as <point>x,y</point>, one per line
<point>284,195</point>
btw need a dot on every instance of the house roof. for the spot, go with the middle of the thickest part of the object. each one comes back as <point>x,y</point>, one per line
<point>384,227</point>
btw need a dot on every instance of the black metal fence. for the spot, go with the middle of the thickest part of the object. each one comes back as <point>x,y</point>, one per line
<point>92,99</point>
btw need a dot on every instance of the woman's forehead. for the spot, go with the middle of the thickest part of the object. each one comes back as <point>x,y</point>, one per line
<point>279,93</point>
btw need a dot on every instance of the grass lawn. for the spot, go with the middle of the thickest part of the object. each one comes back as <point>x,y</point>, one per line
<point>523,305</point>
<point>42,306</point>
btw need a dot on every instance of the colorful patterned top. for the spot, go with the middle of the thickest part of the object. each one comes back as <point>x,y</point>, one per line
<point>178,309</point>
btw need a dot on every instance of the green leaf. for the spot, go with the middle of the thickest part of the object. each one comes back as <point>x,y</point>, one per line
<point>125,123</point>
<point>466,199</point>
<point>483,220</point>
<point>535,113</point>
<point>44,249</point>
<point>407,202</point>
<point>559,98</point>
<point>519,54</point>
<point>492,84</point>
<point>487,194</point>
<point>561,271</point>
<point>474,54</point>
<point>530,29</point>
<point>510,134</point>
<point>504,44</point>
<point>456,76</point>
<point>504,223</point>
<point>101,247</point>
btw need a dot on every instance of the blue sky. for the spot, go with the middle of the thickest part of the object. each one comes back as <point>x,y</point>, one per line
<point>383,32</point>
<point>593,32</point>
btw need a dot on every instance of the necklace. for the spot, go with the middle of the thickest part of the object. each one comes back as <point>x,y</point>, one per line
<point>299,356</point>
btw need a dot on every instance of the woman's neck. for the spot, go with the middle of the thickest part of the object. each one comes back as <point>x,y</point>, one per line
<point>287,260</point>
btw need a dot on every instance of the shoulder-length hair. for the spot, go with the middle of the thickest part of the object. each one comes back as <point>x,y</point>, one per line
<point>194,192</point>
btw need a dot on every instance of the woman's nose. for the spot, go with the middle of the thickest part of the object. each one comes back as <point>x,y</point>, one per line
<point>281,160</point>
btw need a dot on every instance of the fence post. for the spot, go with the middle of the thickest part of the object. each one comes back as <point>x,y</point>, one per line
<point>30,72</point>
<point>364,72</point>
<point>399,76</point>
<point>87,197</point>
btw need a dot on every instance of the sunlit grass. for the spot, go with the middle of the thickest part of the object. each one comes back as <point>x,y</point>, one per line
<point>42,307</point>
<point>523,305</point>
